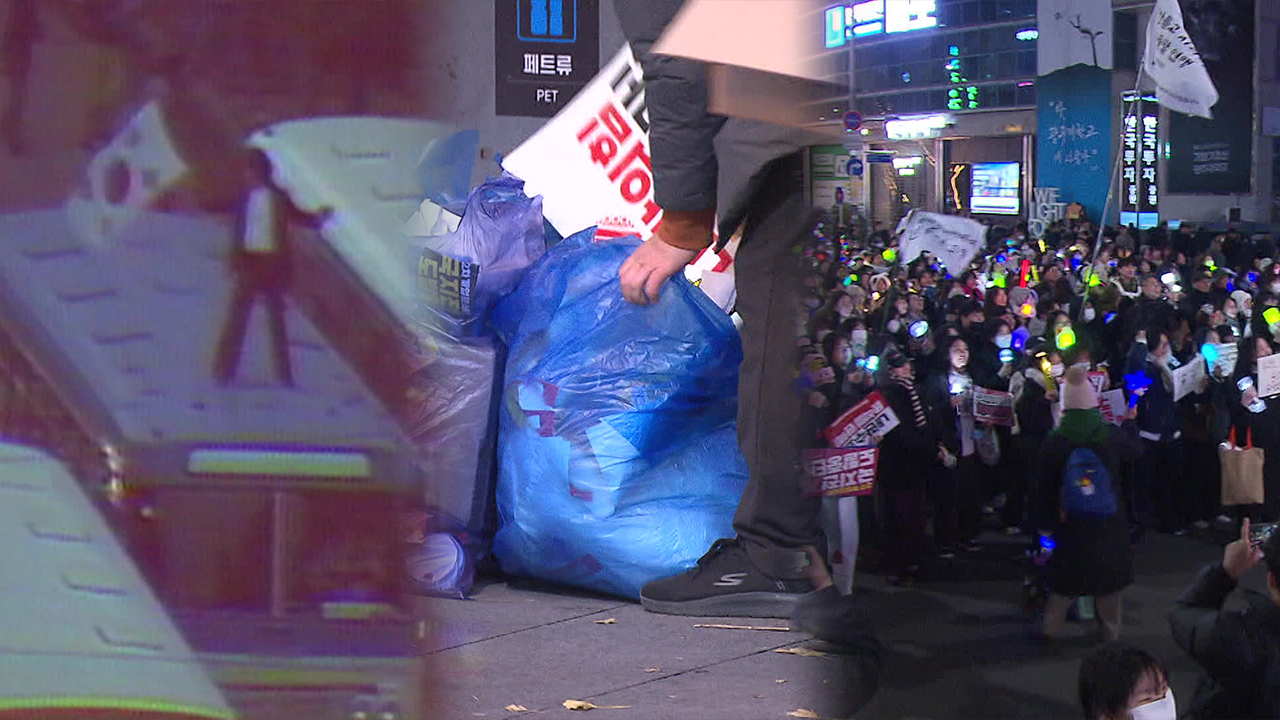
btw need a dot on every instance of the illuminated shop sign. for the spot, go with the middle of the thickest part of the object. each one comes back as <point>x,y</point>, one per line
<point>915,127</point>
<point>835,25</point>
<point>1139,189</point>
<point>878,16</point>
<point>907,165</point>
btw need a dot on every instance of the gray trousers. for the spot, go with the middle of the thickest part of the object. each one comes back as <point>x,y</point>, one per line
<point>774,519</point>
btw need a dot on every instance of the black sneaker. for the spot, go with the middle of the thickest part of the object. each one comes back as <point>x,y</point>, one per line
<point>724,584</point>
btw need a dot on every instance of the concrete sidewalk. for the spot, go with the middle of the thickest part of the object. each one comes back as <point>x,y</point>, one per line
<point>519,643</point>
<point>957,646</point>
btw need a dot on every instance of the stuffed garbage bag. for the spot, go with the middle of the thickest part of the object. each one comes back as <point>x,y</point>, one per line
<point>618,458</point>
<point>462,274</point>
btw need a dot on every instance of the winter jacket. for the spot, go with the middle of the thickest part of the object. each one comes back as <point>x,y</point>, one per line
<point>985,366</point>
<point>1159,417</point>
<point>943,417</point>
<point>1092,555</point>
<point>1207,419</point>
<point>1035,412</point>
<point>907,452</point>
<point>700,161</point>
<point>1238,649</point>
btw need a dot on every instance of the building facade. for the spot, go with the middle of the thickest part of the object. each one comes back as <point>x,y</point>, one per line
<point>954,115</point>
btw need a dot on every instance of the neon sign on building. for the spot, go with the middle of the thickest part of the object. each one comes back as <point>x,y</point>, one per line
<point>877,16</point>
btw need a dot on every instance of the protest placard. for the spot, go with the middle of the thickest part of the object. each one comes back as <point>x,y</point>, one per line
<point>840,472</point>
<point>1098,380</point>
<point>862,423</point>
<point>1226,363</point>
<point>1187,377</point>
<point>591,162</point>
<point>1112,406</point>
<point>992,406</point>
<point>1269,376</point>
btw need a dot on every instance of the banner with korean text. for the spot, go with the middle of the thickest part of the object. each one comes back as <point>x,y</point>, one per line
<point>863,423</point>
<point>1073,150</point>
<point>590,163</point>
<point>840,472</point>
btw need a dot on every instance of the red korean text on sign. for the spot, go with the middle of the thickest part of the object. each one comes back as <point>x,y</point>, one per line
<point>617,147</point>
<point>842,472</point>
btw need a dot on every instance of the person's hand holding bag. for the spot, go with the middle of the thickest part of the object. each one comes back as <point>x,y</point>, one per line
<point>678,240</point>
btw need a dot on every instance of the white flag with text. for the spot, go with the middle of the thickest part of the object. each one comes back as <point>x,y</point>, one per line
<point>1171,59</point>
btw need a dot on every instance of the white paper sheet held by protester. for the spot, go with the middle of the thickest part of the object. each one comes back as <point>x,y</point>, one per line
<point>1269,376</point>
<point>1112,406</point>
<point>953,239</point>
<point>590,163</point>
<point>1172,61</point>
<point>138,166</point>
<point>1187,377</point>
<point>1226,363</point>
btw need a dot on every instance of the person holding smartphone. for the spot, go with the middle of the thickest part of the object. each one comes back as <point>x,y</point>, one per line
<point>1239,650</point>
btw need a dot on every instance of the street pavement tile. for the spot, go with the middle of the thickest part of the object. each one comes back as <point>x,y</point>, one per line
<point>580,658</point>
<point>499,609</point>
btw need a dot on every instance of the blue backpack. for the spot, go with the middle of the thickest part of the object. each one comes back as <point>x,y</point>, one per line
<point>1087,490</point>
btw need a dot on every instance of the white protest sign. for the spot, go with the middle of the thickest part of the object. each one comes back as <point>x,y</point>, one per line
<point>952,239</point>
<point>1112,406</point>
<point>590,163</point>
<point>1171,59</point>
<point>1269,376</point>
<point>1227,354</point>
<point>1187,377</point>
<point>1098,380</point>
<point>862,422</point>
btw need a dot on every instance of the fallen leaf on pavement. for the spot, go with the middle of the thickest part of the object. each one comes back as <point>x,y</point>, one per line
<point>653,669</point>
<point>802,652</point>
<point>583,705</point>
<point>516,708</point>
<point>610,621</point>
<point>745,627</point>
<point>779,681</point>
<point>802,713</point>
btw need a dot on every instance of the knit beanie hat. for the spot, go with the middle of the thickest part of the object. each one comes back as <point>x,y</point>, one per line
<point>1077,393</point>
<point>1240,296</point>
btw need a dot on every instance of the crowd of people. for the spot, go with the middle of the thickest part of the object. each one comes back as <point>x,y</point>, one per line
<point>1044,327</point>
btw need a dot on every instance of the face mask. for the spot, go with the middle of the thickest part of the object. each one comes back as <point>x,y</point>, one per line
<point>1162,709</point>
<point>859,337</point>
<point>1247,311</point>
<point>1004,341</point>
<point>1057,370</point>
<point>1089,314</point>
<point>1275,287</point>
<point>1230,313</point>
<point>893,326</point>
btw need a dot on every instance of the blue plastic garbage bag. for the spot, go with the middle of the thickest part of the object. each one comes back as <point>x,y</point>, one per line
<point>445,168</point>
<point>463,273</point>
<point>618,458</point>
